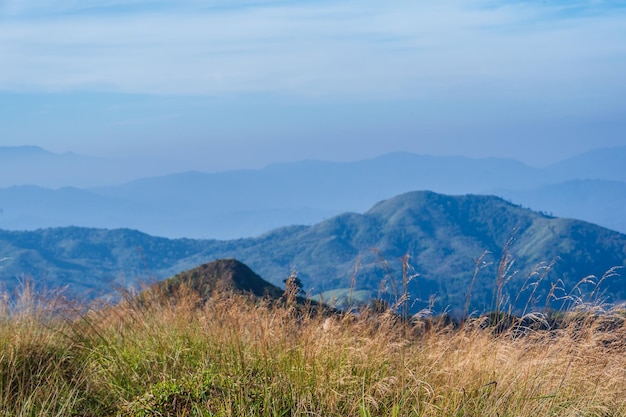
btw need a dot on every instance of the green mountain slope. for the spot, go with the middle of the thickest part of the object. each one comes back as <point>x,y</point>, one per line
<point>92,262</point>
<point>443,235</point>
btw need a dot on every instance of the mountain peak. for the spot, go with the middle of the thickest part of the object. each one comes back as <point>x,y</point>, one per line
<point>430,200</point>
<point>221,275</point>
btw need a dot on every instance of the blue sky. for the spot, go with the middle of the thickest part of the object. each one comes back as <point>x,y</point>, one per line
<point>219,84</point>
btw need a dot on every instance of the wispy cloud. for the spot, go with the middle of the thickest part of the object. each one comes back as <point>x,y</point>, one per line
<point>402,48</point>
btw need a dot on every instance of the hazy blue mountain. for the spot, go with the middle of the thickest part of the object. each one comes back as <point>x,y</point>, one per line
<point>8,153</point>
<point>329,185</point>
<point>602,164</point>
<point>246,203</point>
<point>443,235</point>
<point>32,165</point>
<point>598,201</point>
<point>31,207</point>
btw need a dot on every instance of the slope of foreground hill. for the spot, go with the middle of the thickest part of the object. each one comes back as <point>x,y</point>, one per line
<point>443,236</point>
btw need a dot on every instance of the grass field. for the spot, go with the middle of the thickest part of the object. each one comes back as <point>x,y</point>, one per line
<point>235,356</point>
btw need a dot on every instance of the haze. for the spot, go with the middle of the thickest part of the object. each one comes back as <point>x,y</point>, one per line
<point>215,86</point>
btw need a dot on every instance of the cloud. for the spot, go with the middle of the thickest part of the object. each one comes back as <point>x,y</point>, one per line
<point>315,48</point>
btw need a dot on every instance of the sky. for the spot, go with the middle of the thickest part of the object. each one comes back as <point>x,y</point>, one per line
<point>217,85</point>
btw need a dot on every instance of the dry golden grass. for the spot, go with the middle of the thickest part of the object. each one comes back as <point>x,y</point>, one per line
<point>234,356</point>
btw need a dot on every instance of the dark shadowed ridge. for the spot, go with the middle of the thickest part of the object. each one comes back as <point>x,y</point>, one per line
<point>221,275</point>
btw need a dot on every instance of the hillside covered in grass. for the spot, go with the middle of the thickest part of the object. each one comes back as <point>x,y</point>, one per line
<point>178,353</point>
<point>453,253</point>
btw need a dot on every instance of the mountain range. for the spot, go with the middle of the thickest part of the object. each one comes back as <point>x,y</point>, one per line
<point>247,203</point>
<point>426,244</point>
<point>32,165</point>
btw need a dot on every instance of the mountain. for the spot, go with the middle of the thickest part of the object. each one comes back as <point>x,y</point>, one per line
<point>443,235</point>
<point>597,201</point>
<point>92,263</point>
<point>32,165</point>
<point>220,275</point>
<point>32,207</point>
<point>598,164</point>
<point>8,153</point>
<point>246,203</point>
<point>250,202</point>
<point>327,185</point>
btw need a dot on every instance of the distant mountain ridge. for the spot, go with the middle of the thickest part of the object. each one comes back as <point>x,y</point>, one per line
<point>36,166</point>
<point>22,151</point>
<point>443,236</point>
<point>597,201</point>
<point>247,203</point>
<point>597,164</point>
